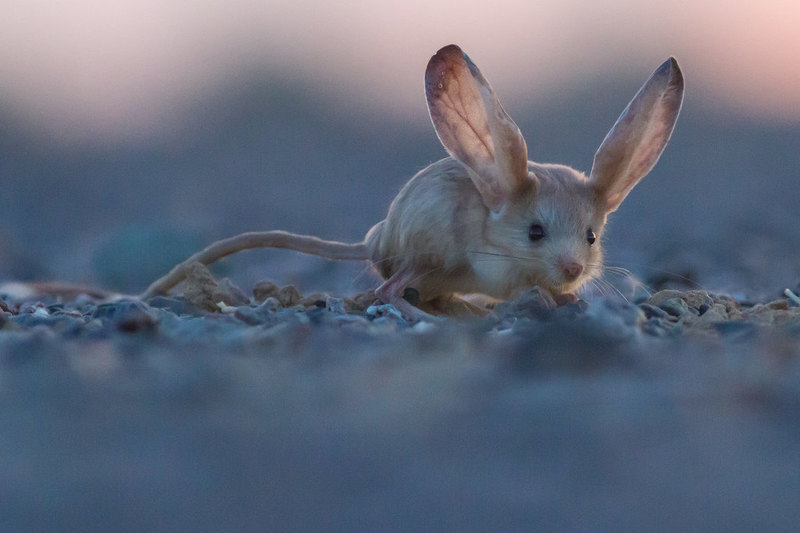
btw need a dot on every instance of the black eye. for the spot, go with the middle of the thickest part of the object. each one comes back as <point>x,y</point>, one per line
<point>536,232</point>
<point>590,236</point>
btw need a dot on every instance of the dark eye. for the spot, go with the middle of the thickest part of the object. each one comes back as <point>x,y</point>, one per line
<point>536,232</point>
<point>590,236</point>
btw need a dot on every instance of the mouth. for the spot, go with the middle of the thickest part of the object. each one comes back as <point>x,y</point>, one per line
<point>556,283</point>
<point>562,286</point>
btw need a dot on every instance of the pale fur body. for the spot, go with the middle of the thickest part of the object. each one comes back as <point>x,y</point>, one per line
<point>439,225</point>
<point>487,220</point>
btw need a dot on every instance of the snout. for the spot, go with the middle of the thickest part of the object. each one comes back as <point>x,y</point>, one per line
<point>570,269</point>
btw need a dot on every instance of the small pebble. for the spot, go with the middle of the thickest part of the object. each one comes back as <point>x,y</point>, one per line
<point>360,302</point>
<point>229,293</point>
<point>289,296</point>
<point>225,308</point>
<point>384,324</point>
<point>30,308</point>
<point>697,298</point>
<point>269,305</point>
<point>779,304</point>
<point>374,312</point>
<point>533,303</point>
<point>664,295</point>
<point>134,317</point>
<point>711,316</point>
<point>199,287</point>
<point>674,306</point>
<point>264,290</point>
<point>335,305</point>
<point>651,311</point>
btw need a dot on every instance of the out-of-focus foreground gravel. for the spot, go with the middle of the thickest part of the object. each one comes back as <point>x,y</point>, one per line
<point>279,412</point>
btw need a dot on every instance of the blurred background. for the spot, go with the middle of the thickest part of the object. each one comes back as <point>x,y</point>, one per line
<point>134,132</point>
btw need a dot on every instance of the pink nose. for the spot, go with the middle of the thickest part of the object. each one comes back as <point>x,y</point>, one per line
<point>570,269</point>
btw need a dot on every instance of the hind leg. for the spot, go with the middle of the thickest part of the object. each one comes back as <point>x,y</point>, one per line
<point>391,292</point>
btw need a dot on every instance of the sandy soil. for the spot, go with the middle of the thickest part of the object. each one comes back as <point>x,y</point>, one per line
<point>676,413</point>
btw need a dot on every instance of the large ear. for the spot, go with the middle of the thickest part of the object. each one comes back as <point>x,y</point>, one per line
<point>474,127</point>
<point>633,146</point>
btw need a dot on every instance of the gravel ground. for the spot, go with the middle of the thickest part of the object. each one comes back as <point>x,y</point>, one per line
<point>284,412</point>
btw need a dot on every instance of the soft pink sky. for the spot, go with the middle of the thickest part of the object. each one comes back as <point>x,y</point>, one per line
<point>122,67</point>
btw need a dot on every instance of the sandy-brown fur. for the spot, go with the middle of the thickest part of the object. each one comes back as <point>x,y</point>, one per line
<point>439,226</point>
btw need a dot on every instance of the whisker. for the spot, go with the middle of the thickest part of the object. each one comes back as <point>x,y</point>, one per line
<point>611,288</point>
<point>675,275</point>
<point>596,287</point>
<point>495,259</point>
<point>601,285</point>
<point>506,256</point>
<point>499,256</point>
<point>627,275</point>
<point>618,270</point>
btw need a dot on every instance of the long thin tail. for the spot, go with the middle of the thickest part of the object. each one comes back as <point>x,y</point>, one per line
<point>258,239</point>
